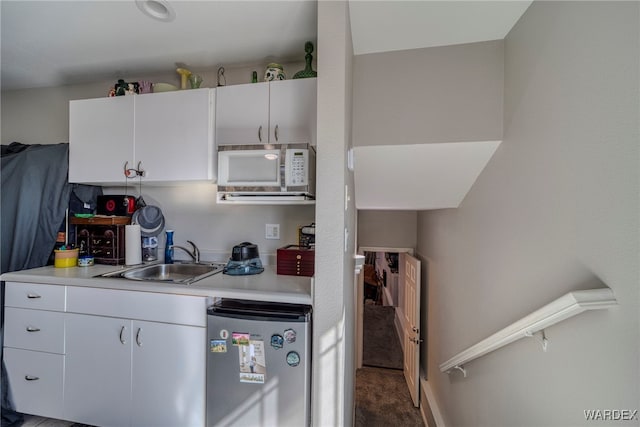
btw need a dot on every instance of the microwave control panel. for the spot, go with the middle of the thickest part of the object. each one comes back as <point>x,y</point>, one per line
<point>298,160</point>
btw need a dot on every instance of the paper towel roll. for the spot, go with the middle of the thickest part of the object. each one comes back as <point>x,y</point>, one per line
<point>133,245</point>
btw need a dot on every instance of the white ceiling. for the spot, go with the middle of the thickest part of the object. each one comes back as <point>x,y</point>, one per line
<point>380,26</point>
<point>51,43</point>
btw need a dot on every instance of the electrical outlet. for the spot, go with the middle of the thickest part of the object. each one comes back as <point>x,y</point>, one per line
<point>272,231</point>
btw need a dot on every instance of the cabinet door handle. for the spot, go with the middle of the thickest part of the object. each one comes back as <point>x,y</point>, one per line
<point>275,132</point>
<point>260,134</point>
<point>32,329</point>
<point>122,340</point>
<point>31,378</point>
<point>33,296</point>
<point>138,340</point>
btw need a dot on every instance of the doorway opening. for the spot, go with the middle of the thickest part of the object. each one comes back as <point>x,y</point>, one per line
<point>380,285</point>
<point>387,349</point>
<point>381,346</point>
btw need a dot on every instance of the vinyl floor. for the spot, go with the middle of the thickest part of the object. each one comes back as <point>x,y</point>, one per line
<point>35,421</point>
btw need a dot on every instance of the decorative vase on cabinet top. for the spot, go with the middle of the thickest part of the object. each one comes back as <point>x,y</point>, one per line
<point>274,72</point>
<point>308,70</point>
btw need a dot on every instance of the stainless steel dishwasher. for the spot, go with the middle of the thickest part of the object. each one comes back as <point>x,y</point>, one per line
<point>258,364</point>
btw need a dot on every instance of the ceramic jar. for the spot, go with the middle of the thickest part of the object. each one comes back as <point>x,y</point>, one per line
<point>274,72</point>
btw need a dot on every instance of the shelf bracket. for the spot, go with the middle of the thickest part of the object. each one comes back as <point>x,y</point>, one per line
<point>461,369</point>
<point>544,342</point>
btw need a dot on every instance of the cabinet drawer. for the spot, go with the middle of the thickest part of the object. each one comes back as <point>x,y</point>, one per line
<point>167,308</point>
<point>36,383</point>
<point>34,295</point>
<point>34,330</point>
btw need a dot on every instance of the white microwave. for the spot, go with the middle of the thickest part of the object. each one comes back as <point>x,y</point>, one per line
<point>266,173</point>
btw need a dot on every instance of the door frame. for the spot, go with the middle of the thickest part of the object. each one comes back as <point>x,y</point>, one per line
<point>359,300</point>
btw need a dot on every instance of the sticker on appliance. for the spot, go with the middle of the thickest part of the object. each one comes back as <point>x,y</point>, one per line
<point>253,366</point>
<point>277,341</point>
<point>290,336</point>
<point>239,338</point>
<point>293,359</point>
<point>218,346</point>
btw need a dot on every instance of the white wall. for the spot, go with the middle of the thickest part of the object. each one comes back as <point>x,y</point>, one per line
<point>555,210</point>
<point>333,330</point>
<point>441,94</point>
<point>394,229</point>
<point>41,116</point>
<point>191,211</point>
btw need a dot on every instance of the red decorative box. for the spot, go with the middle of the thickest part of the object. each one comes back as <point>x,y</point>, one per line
<point>294,260</point>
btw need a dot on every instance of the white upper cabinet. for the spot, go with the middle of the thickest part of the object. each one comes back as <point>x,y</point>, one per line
<point>169,136</point>
<point>267,113</point>
<point>174,135</point>
<point>292,111</point>
<point>100,138</point>
<point>242,114</point>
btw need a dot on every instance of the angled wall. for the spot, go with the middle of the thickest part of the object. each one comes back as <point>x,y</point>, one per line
<point>555,210</point>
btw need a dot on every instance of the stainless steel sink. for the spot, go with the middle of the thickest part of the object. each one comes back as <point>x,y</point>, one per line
<point>174,273</point>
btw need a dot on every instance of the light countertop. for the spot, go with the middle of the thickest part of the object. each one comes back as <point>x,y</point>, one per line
<point>266,286</point>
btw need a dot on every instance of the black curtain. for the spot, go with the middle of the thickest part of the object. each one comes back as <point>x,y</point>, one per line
<point>34,195</point>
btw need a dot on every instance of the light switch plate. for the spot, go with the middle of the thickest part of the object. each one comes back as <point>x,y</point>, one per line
<point>272,231</point>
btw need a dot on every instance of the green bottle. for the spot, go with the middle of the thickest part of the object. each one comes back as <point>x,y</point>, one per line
<point>308,70</point>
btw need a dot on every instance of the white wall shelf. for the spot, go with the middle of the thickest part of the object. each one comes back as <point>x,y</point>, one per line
<point>562,308</point>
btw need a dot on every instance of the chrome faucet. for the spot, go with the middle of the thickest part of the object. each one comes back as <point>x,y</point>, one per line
<point>195,255</point>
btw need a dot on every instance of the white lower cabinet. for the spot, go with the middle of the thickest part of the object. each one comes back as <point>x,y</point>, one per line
<point>122,372</point>
<point>106,357</point>
<point>98,370</point>
<point>168,375</point>
<point>36,381</point>
<point>34,347</point>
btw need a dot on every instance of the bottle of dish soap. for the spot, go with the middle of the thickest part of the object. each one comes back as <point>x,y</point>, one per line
<point>168,248</point>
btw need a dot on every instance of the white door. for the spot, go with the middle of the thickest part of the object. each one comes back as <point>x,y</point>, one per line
<point>168,375</point>
<point>101,133</point>
<point>97,389</point>
<point>174,135</point>
<point>411,325</point>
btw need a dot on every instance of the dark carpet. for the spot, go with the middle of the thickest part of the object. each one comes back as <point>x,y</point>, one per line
<point>381,346</point>
<point>382,399</point>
